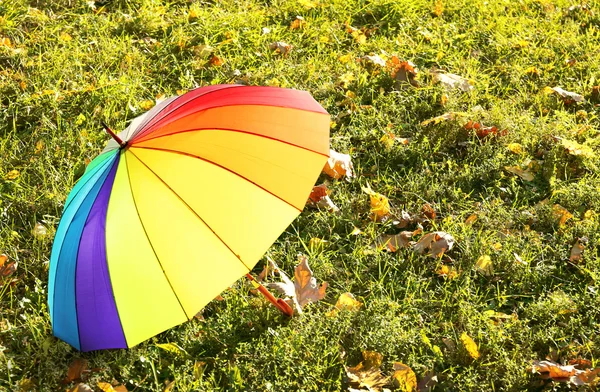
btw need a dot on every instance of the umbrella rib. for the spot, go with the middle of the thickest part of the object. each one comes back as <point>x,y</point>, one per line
<point>148,238</point>
<point>221,167</point>
<point>231,130</point>
<point>193,211</point>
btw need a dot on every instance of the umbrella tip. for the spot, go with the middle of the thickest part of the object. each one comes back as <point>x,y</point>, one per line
<point>113,135</point>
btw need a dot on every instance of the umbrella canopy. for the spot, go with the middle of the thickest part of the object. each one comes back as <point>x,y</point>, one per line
<point>180,205</point>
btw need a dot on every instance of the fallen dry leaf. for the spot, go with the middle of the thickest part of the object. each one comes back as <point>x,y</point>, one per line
<point>7,268</point>
<point>380,205</point>
<point>469,345</point>
<point>524,174</point>
<point>389,139</point>
<point>81,388</point>
<point>428,211</point>
<point>403,220</point>
<point>367,373</point>
<point>404,378</point>
<point>12,175</point>
<point>436,242</point>
<point>395,242</point>
<point>484,265</point>
<point>481,131</point>
<point>576,149</point>
<point>39,231</point>
<point>471,219</point>
<point>402,72</point>
<point>515,148</point>
<point>449,116</point>
<point>304,289</point>
<point>427,382</point>
<point>216,61</point>
<point>561,215</point>
<point>577,249</point>
<point>339,165</point>
<point>76,370</point>
<point>169,386</point>
<point>452,81</point>
<point>564,373</point>
<point>374,60</point>
<point>280,47</point>
<point>347,302</point>
<point>297,23</point>
<point>106,387</point>
<point>567,96</point>
<point>447,271</point>
<point>319,197</point>
<point>438,8</point>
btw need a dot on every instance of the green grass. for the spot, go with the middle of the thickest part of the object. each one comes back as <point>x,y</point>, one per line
<point>67,67</point>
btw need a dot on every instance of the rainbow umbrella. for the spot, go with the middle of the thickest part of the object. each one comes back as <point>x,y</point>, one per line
<point>179,206</point>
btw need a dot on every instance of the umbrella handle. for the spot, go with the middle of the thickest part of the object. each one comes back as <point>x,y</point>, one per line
<point>278,302</point>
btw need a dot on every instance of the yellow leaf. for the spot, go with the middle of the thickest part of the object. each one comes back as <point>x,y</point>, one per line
<point>484,265</point>
<point>589,215</point>
<point>449,116</point>
<point>497,246</point>
<point>470,345</point>
<point>576,149</point>
<point>346,301</point>
<point>297,23</point>
<point>106,387</point>
<point>12,175</point>
<point>561,214</point>
<point>515,148</point>
<point>532,71</point>
<point>380,205</point>
<point>5,41</point>
<point>308,4</point>
<point>171,347</point>
<point>339,165</point>
<point>169,386</point>
<point>404,378</point>
<point>471,219</point>
<point>345,58</point>
<point>317,244</point>
<point>65,37</point>
<point>39,146</point>
<point>447,271</point>
<point>147,104</point>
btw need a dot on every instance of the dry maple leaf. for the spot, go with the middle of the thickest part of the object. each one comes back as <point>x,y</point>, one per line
<point>427,382</point>
<point>319,197</point>
<point>339,165</point>
<point>452,81</point>
<point>298,23</point>
<point>280,47</point>
<point>564,373</point>
<point>380,205</point>
<point>568,97</point>
<point>367,373</point>
<point>374,60</point>
<point>437,243</point>
<point>576,149</point>
<point>404,378</point>
<point>481,131</point>
<point>469,345</point>
<point>304,289</point>
<point>402,72</point>
<point>395,242</point>
<point>561,215</point>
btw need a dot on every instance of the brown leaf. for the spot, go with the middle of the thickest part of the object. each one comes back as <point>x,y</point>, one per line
<point>577,249</point>
<point>319,197</point>
<point>427,382</point>
<point>403,72</point>
<point>297,23</point>
<point>452,81</point>
<point>428,211</point>
<point>374,60</point>
<point>524,174</point>
<point>339,165</point>
<point>76,369</point>
<point>216,61</point>
<point>7,268</point>
<point>404,378</point>
<point>367,373</point>
<point>169,386</point>
<point>471,219</point>
<point>395,242</point>
<point>280,47</point>
<point>436,242</point>
<point>554,371</point>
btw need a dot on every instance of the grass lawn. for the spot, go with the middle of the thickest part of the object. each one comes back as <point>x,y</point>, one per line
<point>524,193</point>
